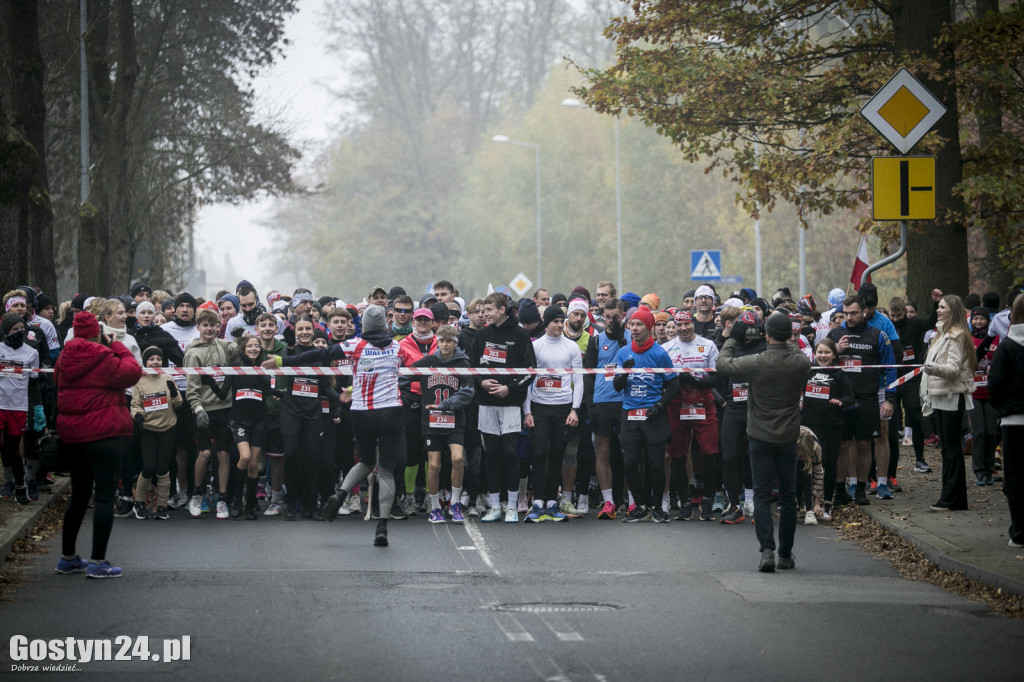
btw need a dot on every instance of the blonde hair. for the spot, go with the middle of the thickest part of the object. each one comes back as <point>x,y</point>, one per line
<point>108,308</point>
<point>957,327</point>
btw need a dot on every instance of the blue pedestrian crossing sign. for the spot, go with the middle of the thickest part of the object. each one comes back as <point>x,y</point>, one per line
<point>705,265</point>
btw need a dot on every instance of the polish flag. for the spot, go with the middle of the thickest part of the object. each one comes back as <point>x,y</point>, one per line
<point>861,264</point>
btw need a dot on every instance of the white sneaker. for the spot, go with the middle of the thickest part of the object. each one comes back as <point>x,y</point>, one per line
<point>195,506</point>
<point>748,508</point>
<point>582,505</point>
<point>222,510</point>
<point>273,509</point>
<point>511,515</point>
<point>493,514</point>
<point>355,504</point>
<point>464,499</point>
<point>474,512</point>
<point>523,505</point>
<point>180,499</point>
<point>810,519</point>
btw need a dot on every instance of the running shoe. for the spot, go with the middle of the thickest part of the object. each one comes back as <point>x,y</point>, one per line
<point>102,570</point>
<point>222,510</point>
<point>21,495</point>
<point>988,479</point>
<point>979,480</point>
<point>400,511</point>
<point>707,512</point>
<point>607,511</point>
<point>554,514</point>
<point>1012,543</point>
<point>569,509</point>
<point>8,489</point>
<point>852,489</point>
<point>75,564</point>
<point>161,514</point>
<point>872,486</point>
<point>195,506</point>
<point>204,506</point>
<point>455,509</point>
<point>355,504</point>
<point>474,511</point>
<point>139,511</point>
<point>125,506</point>
<point>734,517</point>
<point>493,514</point>
<point>536,514</point>
<point>334,504</point>
<point>636,513</point>
<point>826,512</point>
<point>883,492</point>
<point>273,509</point>
<point>767,563</point>
<point>659,515</point>
<point>785,563</point>
<point>178,500</point>
<point>436,516</point>
<point>719,504</point>
<point>810,519</point>
<point>748,508</point>
<point>582,505</point>
<point>894,485</point>
<point>524,505</point>
<point>685,512</point>
<point>932,441</point>
<point>33,489</point>
<point>511,515</point>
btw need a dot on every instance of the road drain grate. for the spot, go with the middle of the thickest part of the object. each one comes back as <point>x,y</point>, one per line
<point>556,608</point>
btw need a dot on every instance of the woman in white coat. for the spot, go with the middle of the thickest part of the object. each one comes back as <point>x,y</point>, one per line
<point>946,392</point>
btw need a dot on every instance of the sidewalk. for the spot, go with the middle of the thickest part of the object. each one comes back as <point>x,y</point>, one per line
<point>973,541</point>
<point>16,520</point>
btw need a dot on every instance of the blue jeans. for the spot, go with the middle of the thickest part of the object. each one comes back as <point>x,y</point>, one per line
<point>771,462</point>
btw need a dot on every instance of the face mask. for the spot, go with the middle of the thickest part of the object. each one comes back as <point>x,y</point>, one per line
<point>16,339</point>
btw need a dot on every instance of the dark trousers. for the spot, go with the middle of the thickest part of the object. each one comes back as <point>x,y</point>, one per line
<point>157,449</point>
<point>501,453</point>
<point>770,462</point>
<point>548,439</point>
<point>92,463</point>
<point>985,435</point>
<point>735,455</point>
<point>643,447</point>
<point>830,439</point>
<point>1013,479</point>
<point>302,453</point>
<point>954,472</point>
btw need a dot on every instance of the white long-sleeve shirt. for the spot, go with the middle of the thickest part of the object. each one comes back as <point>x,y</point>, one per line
<point>556,352</point>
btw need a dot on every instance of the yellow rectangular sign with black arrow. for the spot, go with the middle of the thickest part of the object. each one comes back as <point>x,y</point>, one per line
<point>903,188</point>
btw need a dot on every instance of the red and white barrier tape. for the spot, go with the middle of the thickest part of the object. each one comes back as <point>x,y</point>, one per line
<point>411,371</point>
<point>906,377</point>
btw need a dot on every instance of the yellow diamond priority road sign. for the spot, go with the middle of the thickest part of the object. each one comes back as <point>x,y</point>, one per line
<point>520,284</point>
<point>903,188</point>
<point>903,111</point>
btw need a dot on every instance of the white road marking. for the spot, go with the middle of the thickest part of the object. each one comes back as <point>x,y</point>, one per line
<point>481,545</point>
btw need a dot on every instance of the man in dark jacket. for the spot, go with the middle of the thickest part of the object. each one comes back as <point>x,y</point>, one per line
<point>1007,395</point>
<point>777,378</point>
<point>506,345</point>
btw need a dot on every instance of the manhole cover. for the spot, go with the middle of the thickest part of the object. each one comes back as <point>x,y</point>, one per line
<point>556,608</point>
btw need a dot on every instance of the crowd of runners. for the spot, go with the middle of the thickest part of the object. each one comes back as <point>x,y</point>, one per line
<point>553,443</point>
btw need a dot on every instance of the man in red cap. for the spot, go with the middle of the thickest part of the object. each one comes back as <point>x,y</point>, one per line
<point>645,428</point>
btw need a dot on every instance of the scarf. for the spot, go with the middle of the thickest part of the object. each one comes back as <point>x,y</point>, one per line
<point>423,338</point>
<point>645,347</point>
<point>404,331</point>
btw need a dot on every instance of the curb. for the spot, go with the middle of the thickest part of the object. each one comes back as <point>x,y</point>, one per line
<point>945,562</point>
<point>23,520</point>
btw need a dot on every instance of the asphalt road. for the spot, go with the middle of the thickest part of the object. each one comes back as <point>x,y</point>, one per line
<point>583,600</point>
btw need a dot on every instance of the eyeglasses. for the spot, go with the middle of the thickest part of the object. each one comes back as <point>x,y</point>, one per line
<point>403,311</point>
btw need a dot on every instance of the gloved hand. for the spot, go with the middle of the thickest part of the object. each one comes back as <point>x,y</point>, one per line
<point>139,418</point>
<point>172,389</point>
<point>629,364</point>
<point>38,418</point>
<point>202,419</point>
<point>654,410</point>
<point>207,380</point>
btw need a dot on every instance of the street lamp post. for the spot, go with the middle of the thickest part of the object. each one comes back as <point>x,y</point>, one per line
<point>575,103</point>
<point>536,149</point>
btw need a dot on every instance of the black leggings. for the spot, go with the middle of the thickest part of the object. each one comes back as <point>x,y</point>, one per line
<point>830,438</point>
<point>380,437</point>
<point>157,449</point>
<point>96,463</point>
<point>302,454</point>
<point>12,458</point>
<point>643,447</point>
<point>502,452</point>
<point>548,439</point>
<point>735,456</point>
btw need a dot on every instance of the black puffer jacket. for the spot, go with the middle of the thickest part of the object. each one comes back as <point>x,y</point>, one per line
<point>1006,375</point>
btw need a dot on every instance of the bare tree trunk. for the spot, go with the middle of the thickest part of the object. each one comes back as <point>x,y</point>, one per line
<point>29,216</point>
<point>105,240</point>
<point>936,250</point>
<point>990,128</point>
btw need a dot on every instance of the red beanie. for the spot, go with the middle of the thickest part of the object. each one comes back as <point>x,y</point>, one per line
<point>85,325</point>
<point>644,315</point>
